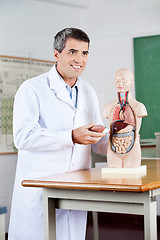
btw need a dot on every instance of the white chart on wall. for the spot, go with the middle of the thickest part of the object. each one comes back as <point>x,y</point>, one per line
<point>13,72</point>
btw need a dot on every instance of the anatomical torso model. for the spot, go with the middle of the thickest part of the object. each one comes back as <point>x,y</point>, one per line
<point>125,114</point>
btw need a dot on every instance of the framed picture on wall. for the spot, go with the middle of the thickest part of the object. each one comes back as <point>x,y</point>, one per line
<point>13,72</point>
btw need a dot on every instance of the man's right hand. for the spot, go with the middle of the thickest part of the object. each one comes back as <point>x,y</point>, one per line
<point>83,135</point>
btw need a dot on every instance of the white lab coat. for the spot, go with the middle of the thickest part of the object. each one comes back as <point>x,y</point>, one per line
<point>44,117</point>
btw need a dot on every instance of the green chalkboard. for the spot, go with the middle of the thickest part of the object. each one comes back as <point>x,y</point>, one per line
<point>147,82</point>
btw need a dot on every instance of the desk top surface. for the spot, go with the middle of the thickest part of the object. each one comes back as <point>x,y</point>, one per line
<point>93,179</point>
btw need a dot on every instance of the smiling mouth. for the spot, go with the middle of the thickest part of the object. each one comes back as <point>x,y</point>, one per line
<point>76,67</point>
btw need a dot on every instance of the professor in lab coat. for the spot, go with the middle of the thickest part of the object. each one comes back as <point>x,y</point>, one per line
<point>52,117</point>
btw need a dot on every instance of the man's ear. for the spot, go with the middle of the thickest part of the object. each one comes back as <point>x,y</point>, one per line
<point>56,54</point>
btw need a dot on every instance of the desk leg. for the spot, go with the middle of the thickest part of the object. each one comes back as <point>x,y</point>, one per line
<point>49,218</point>
<point>150,221</point>
<point>95,226</point>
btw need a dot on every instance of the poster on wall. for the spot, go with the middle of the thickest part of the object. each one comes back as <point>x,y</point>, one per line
<point>13,72</point>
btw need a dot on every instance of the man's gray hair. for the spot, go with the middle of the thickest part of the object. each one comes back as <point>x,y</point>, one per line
<point>62,36</point>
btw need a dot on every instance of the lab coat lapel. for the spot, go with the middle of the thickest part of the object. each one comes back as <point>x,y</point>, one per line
<point>81,96</point>
<point>81,112</point>
<point>63,95</point>
<point>57,85</point>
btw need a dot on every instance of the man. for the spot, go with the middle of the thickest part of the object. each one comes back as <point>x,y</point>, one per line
<point>53,115</point>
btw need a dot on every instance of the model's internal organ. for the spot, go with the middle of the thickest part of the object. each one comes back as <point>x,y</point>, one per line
<point>123,125</point>
<point>121,144</point>
<point>97,128</point>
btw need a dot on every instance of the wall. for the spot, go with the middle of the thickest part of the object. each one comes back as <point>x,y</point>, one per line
<point>27,29</point>
<point>7,174</point>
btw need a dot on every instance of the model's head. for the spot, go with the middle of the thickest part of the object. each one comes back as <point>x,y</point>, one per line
<point>124,80</point>
<point>62,36</point>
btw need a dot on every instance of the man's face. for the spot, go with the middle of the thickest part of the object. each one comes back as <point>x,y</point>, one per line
<point>123,81</point>
<point>73,59</point>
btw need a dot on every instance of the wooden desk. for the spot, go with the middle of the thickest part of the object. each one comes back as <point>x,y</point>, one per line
<point>89,190</point>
